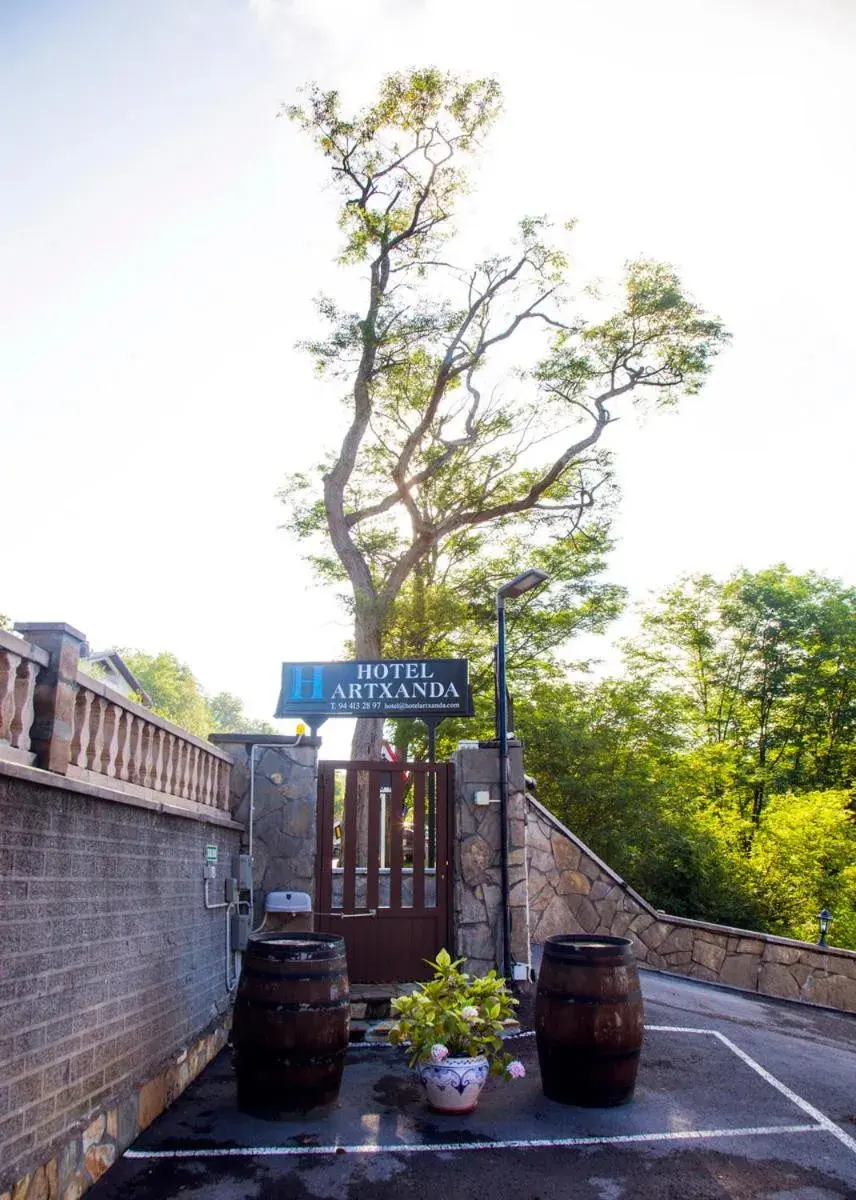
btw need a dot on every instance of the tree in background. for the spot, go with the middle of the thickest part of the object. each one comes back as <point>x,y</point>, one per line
<point>717,777</point>
<point>437,463</point>
<point>178,696</point>
<point>766,666</point>
<point>449,612</point>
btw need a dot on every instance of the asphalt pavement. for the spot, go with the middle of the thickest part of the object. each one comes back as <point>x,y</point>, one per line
<point>736,1097</point>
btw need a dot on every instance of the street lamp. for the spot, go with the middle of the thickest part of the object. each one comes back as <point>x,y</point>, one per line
<point>824,920</point>
<point>509,591</point>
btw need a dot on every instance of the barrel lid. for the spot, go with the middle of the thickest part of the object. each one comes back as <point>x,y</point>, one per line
<point>589,945</point>
<point>302,946</point>
<point>289,902</point>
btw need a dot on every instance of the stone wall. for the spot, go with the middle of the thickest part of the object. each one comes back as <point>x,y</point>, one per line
<point>572,891</point>
<point>284,824</point>
<point>111,970</point>
<point>477,893</point>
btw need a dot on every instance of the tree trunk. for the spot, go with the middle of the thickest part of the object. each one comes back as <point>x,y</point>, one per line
<point>368,735</point>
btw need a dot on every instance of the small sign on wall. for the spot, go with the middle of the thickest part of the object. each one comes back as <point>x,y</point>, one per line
<point>211,856</point>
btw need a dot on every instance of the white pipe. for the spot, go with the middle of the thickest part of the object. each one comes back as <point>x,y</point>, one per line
<point>208,904</point>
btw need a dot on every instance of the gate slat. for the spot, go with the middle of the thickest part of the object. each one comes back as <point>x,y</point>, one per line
<point>375,833</point>
<point>419,840</point>
<point>349,882</point>
<point>396,856</point>
<point>324,898</point>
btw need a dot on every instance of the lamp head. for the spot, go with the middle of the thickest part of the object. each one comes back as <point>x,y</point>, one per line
<point>521,583</point>
<point>824,917</point>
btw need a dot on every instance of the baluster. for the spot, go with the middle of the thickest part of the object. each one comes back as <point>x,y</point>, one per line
<point>80,727</point>
<point>177,765</point>
<point>110,739</point>
<point>122,734</point>
<point>210,780</point>
<point>96,733</point>
<point>223,778</point>
<point>159,760</point>
<point>8,670</point>
<point>204,772</point>
<point>25,694</point>
<point>165,784</point>
<point>135,748</point>
<point>194,774</point>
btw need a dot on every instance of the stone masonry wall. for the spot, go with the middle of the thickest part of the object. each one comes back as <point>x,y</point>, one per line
<point>477,877</point>
<point>111,970</point>
<point>284,825</point>
<point>572,891</point>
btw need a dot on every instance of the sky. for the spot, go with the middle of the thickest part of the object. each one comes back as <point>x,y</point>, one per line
<point>162,236</point>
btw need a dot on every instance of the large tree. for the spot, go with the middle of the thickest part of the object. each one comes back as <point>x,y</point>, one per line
<point>766,664</point>
<point>435,447</point>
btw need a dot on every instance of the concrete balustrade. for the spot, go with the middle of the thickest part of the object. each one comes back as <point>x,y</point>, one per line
<point>55,717</point>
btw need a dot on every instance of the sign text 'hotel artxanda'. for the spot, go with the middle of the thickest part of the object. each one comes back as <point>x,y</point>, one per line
<point>375,687</point>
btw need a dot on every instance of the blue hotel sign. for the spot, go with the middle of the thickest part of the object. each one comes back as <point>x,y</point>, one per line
<point>432,687</point>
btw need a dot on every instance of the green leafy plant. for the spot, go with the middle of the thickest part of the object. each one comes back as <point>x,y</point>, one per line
<point>456,1013</point>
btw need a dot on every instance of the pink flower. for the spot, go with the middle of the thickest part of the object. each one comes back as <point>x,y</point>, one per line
<point>516,1069</point>
<point>438,1053</point>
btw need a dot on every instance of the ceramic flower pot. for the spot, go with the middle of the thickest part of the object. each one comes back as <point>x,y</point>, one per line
<point>454,1085</point>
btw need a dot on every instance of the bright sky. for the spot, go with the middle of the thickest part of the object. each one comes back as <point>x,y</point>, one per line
<point>162,237</point>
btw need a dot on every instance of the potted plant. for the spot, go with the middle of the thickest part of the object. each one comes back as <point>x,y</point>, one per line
<point>452,1028</point>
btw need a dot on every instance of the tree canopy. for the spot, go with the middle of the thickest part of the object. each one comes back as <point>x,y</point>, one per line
<point>717,775</point>
<point>178,696</point>
<point>445,454</point>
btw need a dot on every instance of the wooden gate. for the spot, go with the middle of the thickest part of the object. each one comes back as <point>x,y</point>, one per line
<point>384,853</point>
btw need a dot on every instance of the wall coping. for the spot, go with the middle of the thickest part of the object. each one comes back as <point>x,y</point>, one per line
<point>19,645</point>
<point>553,820</point>
<point>660,915</point>
<point>162,802</point>
<point>264,739</point>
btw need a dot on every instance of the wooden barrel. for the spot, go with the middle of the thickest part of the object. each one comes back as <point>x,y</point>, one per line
<point>291,1023</point>
<point>588,1020</point>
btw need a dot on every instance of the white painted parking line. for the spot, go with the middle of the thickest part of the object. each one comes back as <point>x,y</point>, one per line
<point>809,1109</point>
<point>821,1124</point>
<point>450,1147</point>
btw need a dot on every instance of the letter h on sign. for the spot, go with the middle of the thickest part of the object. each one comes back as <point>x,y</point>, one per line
<point>299,684</point>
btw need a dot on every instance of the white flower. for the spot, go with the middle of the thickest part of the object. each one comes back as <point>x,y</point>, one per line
<point>438,1053</point>
<point>516,1069</point>
<point>470,1013</point>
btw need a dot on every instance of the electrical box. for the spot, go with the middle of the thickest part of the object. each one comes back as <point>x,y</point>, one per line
<point>231,891</point>
<point>242,870</point>
<point>239,931</point>
<point>481,798</point>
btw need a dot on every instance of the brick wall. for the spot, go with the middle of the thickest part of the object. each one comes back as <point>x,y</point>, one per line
<point>110,965</point>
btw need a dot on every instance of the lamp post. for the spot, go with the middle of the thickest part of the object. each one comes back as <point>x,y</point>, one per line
<point>824,920</point>
<point>509,591</point>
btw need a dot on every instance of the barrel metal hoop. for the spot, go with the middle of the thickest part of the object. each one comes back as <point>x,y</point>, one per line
<point>251,970</point>
<point>253,1002</point>
<point>564,998</point>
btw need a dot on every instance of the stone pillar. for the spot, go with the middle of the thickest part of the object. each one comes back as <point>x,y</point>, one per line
<point>284,819</point>
<point>56,688</point>
<point>477,893</point>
